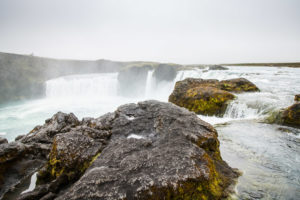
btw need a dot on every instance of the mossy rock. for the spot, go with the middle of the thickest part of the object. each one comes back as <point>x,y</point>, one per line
<point>71,154</point>
<point>204,100</point>
<point>208,96</point>
<point>238,85</point>
<point>297,97</point>
<point>291,116</point>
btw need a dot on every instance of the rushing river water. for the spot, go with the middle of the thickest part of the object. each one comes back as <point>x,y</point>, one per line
<point>267,155</point>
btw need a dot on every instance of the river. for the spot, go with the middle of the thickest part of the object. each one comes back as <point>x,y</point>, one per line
<point>268,155</point>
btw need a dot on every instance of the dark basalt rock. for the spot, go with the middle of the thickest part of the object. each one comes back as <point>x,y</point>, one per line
<point>59,123</point>
<point>297,97</point>
<point>177,157</point>
<point>210,96</point>
<point>217,67</point>
<point>149,150</point>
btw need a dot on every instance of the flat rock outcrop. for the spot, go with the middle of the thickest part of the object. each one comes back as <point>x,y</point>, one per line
<point>210,96</point>
<point>149,150</point>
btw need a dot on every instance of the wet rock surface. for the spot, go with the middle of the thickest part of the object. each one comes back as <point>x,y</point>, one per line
<point>291,116</point>
<point>297,97</point>
<point>208,96</point>
<point>149,150</point>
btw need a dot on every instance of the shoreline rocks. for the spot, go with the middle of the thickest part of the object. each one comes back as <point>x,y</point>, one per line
<point>149,150</point>
<point>208,96</point>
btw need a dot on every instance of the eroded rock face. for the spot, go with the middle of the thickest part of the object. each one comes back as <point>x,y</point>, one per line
<point>132,80</point>
<point>165,72</point>
<point>149,150</point>
<point>210,96</point>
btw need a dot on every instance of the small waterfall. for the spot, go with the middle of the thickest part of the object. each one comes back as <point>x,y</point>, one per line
<point>83,86</point>
<point>149,84</point>
<point>252,105</point>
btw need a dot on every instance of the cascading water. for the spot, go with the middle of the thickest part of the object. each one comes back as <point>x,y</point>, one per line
<point>81,86</point>
<point>149,84</point>
<point>268,157</point>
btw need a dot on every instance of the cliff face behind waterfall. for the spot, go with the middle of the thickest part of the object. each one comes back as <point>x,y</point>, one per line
<point>23,76</point>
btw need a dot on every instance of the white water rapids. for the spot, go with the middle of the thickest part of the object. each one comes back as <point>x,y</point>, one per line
<point>269,157</point>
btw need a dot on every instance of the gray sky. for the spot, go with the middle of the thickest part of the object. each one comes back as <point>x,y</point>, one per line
<point>182,31</point>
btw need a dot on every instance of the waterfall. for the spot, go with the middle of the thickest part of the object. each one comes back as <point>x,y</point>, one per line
<point>149,84</point>
<point>253,105</point>
<point>83,86</point>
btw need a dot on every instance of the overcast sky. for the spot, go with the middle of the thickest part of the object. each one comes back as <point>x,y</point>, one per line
<point>182,31</point>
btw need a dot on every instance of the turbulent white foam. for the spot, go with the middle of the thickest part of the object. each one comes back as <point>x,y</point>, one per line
<point>32,183</point>
<point>2,133</point>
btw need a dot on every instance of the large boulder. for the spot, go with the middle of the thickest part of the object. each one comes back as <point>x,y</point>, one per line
<point>203,100</point>
<point>157,151</point>
<point>149,150</point>
<point>297,97</point>
<point>210,96</point>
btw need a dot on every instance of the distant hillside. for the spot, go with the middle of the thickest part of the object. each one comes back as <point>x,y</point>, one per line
<point>23,76</point>
<point>295,65</point>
